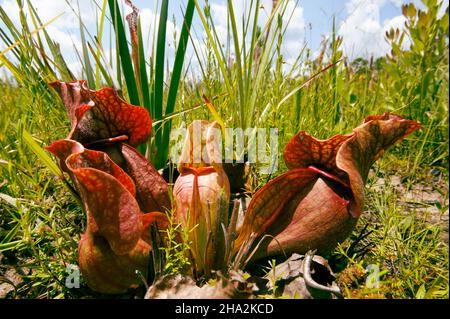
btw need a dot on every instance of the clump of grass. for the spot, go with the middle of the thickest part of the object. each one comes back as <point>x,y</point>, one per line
<point>176,248</point>
<point>409,253</point>
<point>40,222</point>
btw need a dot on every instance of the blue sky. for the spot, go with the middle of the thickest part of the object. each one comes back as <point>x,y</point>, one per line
<point>362,23</point>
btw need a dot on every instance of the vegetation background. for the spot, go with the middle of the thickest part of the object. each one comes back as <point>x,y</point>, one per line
<point>404,230</point>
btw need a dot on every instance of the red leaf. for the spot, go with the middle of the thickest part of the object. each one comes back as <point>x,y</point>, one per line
<point>368,143</point>
<point>107,272</point>
<point>350,156</point>
<point>303,151</point>
<point>112,210</point>
<point>317,202</point>
<point>268,204</point>
<point>102,114</point>
<point>152,190</point>
<point>76,101</point>
<point>316,218</point>
<point>116,242</point>
<point>63,149</point>
<point>154,218</point>
<point>199,194</point>
<point>101,161</point>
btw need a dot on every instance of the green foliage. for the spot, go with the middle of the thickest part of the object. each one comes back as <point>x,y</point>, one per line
<point>161,144</point>
<point>40,222</point>
<point>176,248</point>
<point>416,80</point>
<point>410,253</point>
<point>124,52</point>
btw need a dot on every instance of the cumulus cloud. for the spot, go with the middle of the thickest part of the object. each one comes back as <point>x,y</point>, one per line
<point>49,9</point>
<point>219,15</point>
<point>444,6</point>
<point>148,27</point>
<point>363,31</point>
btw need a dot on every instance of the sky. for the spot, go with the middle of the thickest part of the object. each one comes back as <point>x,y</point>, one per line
<point>362,23</point>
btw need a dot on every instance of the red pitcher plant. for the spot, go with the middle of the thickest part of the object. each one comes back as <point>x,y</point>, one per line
<point>313,206</point>
<point>202,193</point>
<point>122,193</point>
<point>317,202</point>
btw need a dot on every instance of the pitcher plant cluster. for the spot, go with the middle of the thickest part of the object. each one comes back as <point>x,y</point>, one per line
<point>314,205</point>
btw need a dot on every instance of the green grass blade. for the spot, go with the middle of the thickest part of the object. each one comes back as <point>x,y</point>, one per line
<point>237,54</point>
<point>219,56</point>
<point>124,52</point>
<point>108,78</point>
<point>99,37</point>
<point>86,60</point>
<point>296,89</point>
<point>40,153</point>
<point>175,79</point>
<point>158,90</point>
<point>159,60</point>
<point>58,60</point>
<point>31,33</point>
<point>253,42</point>
<point>143,70</point>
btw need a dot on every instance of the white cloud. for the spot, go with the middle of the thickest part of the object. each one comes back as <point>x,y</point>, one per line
<point>49,9</point>
<point>148,27</point>
<point>294,37</point>
<point>445,4</point>
<point>66,41</point>
<point>75,67</point>
<point>363,31</point>
<point>219,14</point>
